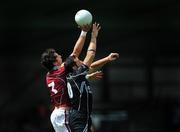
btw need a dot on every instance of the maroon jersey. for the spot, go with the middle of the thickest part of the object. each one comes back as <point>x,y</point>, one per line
<point>56,82</point>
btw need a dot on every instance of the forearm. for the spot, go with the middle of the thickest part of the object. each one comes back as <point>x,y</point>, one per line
<point>92,46</point>
<point>79,44</point>
<point>90,52</point>
<point>99,63</point>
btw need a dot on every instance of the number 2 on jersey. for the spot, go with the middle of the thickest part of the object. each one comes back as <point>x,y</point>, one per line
<point>52,85</point>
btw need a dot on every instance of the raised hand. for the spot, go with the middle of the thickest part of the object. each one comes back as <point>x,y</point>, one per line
<point>95,29</point>
<point>86,28</point>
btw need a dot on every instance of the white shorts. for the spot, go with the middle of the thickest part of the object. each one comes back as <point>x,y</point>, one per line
<point>59,119</point>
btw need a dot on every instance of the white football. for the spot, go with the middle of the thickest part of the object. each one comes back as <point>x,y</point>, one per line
<point>83,17</point>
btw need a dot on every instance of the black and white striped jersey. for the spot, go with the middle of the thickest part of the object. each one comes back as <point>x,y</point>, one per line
<point>79,90</point>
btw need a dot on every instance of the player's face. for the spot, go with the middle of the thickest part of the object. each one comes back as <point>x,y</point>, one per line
<point>58,59</point>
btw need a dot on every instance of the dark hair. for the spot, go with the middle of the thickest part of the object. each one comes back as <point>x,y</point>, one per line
<point>48,58</point>
<point>69,63</point>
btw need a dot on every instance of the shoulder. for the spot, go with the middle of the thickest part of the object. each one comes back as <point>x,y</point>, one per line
<point>83,66</point>
<point>82,69</point>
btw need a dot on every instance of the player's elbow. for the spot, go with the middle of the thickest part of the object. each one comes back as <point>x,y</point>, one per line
<point>89,58</point>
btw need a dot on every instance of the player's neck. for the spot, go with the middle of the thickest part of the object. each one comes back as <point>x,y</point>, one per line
<point>55,67</point>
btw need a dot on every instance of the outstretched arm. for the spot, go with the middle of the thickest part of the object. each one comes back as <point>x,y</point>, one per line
<point>92,45</point>
<point>80,42</point>
<point>93,73</point>
<point>100,63</point>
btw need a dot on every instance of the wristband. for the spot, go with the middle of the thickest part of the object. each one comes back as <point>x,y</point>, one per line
<point>92,50</point>
<point>83,33</point>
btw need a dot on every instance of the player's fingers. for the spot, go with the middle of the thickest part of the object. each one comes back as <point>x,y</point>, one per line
<point>87,26</point>
<point>98,24</point>
<point>115,55</point>
<point>99,28</point>
<point>100,73</point>
<point>99,77</point>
